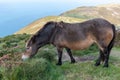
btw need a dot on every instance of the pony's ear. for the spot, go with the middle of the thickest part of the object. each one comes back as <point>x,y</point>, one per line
<point>33,39</point>
<point>60,24</point>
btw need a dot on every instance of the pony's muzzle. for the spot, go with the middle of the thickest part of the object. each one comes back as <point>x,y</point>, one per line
<point>25,57</point>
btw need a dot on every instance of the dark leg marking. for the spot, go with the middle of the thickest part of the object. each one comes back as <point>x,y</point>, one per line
<point>100,58</point>
<point>60,51</point>
<point>106,54</point>
<point>70,54</point>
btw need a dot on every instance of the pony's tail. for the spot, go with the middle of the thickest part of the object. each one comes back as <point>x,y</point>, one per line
<point>113,39</point>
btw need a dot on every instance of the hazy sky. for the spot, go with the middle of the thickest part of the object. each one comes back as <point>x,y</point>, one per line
<point>16,14</point>
<point>54,1</point>
<point>57,0</point>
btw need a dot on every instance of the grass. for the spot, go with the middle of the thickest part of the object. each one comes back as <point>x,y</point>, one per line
<point>87,71</point>
<point>42,66</point>
<point>78,71</point>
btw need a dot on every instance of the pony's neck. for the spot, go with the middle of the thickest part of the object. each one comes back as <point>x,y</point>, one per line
<point>52,36</point>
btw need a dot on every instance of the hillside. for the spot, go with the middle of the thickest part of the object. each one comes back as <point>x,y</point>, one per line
<point>110,12</point>
<point>42,65</point>
<point>38,24</point>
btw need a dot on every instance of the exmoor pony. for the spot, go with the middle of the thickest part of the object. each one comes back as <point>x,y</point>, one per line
<point>75,36</point>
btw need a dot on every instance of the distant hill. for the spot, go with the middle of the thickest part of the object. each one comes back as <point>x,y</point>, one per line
<point>110,12</point>
<point>38,24</point>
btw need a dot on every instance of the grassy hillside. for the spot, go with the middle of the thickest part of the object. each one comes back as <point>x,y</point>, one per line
<point>110,12</point>
<point>42,66</point>
<point>38,24</point>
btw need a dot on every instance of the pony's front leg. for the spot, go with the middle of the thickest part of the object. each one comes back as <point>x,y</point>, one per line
<point>60,51</point>
<point>70,54</point>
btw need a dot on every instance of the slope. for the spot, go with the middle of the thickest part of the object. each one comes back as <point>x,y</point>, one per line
<point>111,12</point>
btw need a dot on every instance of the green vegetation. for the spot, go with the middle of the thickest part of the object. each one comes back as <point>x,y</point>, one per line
<point>13,44</point>
<point>42,65</point>
<point>11,66</point>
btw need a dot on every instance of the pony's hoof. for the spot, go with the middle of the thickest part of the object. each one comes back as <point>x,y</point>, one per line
<point>106,66</point>
<point>97,64</point>
<point>73,61</point>
<point>59,64</point>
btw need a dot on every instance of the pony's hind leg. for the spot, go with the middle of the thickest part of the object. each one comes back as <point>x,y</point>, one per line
<point>107,51</point>
<point>70,54</point>
<point>106,54</point>
<point>100,58</point>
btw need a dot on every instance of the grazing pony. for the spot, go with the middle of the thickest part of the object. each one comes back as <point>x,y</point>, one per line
<point>75,36</point>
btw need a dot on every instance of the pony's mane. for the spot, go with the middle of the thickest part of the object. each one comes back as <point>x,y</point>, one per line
<point>32,39</point>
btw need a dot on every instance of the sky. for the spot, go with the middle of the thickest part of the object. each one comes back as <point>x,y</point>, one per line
<point>16,14</point>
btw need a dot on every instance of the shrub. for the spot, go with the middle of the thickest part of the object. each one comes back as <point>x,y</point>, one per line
<point>13,44</point>
<point>35,69</point>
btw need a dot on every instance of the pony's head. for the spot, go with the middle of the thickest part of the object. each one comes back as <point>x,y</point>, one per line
<point>41,38</point>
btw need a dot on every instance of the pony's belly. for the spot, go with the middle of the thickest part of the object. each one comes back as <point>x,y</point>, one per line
<point>80,45</point>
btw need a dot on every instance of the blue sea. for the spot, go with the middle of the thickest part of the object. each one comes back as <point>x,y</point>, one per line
<point>16,15</point>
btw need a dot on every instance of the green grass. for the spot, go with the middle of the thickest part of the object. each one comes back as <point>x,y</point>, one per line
<point>86,71</point>
<point>13,44</point>
<point>42,65</point>
<point>77,71</point>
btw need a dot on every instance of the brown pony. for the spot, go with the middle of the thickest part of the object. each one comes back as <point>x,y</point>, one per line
<point>74,36</point>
